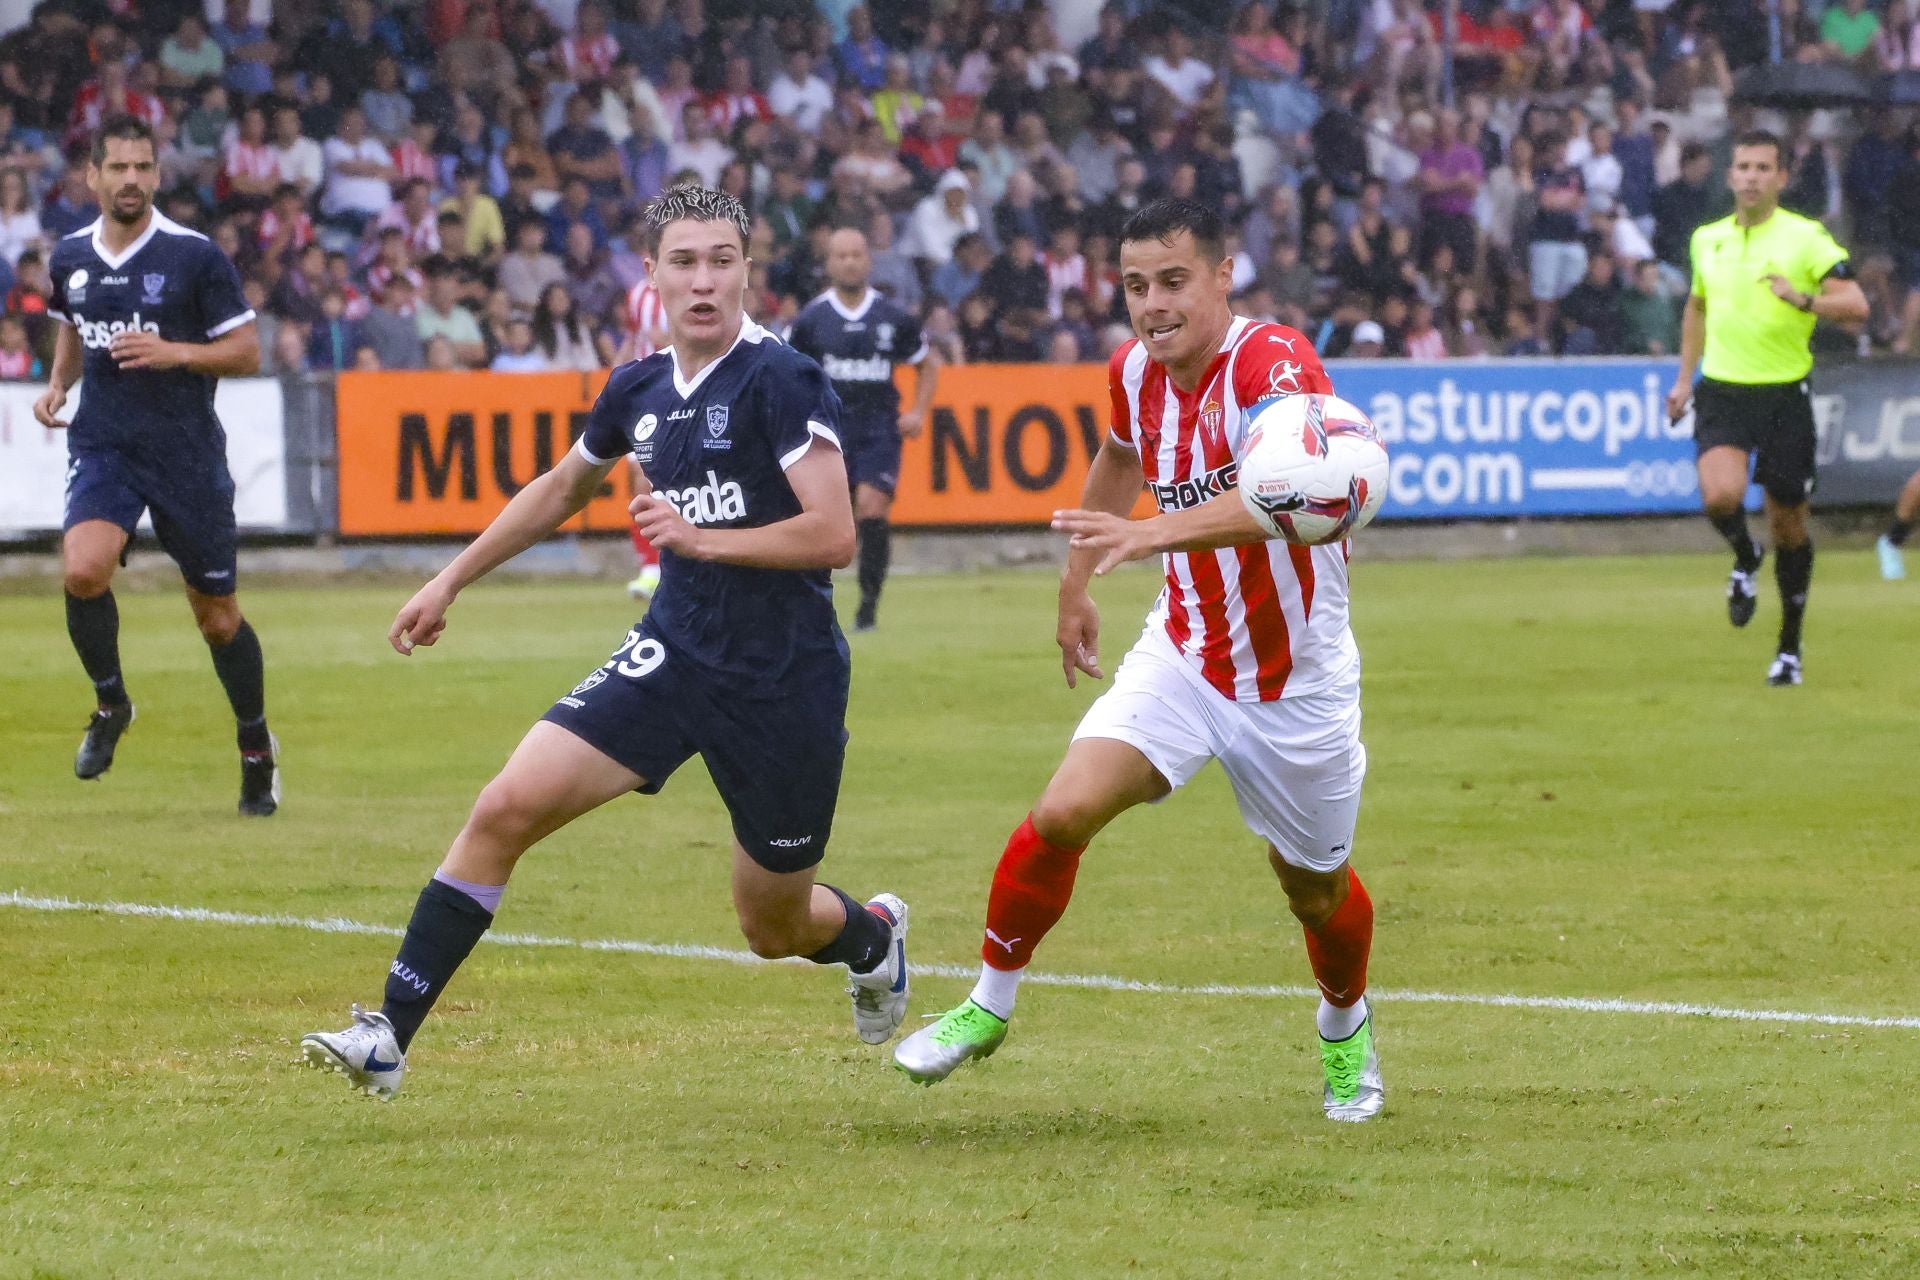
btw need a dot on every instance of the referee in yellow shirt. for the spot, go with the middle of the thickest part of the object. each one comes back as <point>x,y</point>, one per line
<point>1761,276</point>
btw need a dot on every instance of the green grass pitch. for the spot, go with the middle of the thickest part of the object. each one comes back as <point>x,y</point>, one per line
<point>1580,787</point>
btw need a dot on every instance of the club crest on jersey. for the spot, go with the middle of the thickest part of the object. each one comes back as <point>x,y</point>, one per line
<point>717,428</point>
<point>150,285</point>
<point>885,332</point>
<point>1210,415</point>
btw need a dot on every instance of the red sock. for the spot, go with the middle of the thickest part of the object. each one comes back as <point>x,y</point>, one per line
<point>1030,891</point>
<point>642,548</point>
<point>1338,951</point>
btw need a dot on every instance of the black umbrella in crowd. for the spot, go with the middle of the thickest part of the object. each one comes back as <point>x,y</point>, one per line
<point>1802,86</point>
<point>1900,88</point>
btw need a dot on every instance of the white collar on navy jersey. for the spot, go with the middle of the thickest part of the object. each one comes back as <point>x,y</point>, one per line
<point>866,304</point>
<point>749,332</point>
<point>156,223</point>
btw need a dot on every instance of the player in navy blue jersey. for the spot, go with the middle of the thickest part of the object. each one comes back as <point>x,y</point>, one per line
<point>151,318</point>
<point>858,337</point>
<point>738,660</point>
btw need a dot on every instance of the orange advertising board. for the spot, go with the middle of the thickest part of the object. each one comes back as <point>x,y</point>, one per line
<point>441,453</point>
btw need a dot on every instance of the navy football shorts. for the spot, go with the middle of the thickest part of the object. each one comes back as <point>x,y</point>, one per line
<point>873,456</point>
<point>192,511</point>
<point>774,760</point>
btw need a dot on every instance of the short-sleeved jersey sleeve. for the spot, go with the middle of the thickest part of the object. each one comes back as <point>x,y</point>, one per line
<point>912,341</point>
<point>801,336</point>
<point>605,440</point>
<point>57,298</point>
<point>1274,360</point>
<point>802,408</point>
<point>217,295</point>
<point>1822,254</point>
<point>1120,414</point>
<point>1699,285</point>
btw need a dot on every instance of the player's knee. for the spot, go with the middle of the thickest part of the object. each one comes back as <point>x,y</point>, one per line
<point>87,581</point>
<point>218,626</point>
<point>505,811</point>
<point>1068,820</point>
<point>1720,503</point>
<point>1312,897</point>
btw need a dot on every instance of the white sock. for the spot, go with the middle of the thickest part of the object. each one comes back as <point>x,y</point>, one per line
<point>996,989</point>
<point>1336,1023</point>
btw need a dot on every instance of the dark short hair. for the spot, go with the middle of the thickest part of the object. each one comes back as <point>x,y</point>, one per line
<point>700,204</point>
<point>1169,216</point>
<point>125,127</point>
<point>1693,151</point>
<point>1763,138</point>
<point>437,266</point>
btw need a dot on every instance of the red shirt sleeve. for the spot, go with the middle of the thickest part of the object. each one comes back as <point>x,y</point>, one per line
<point>1274,360</point>
<point>1120,423</point>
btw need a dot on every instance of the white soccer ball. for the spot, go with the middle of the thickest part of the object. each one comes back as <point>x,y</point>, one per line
<point>1313,469</point>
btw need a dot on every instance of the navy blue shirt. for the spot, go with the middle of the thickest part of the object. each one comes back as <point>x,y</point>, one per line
<point>173,282</point>
<point>717,448</point>
<point>859,349</point>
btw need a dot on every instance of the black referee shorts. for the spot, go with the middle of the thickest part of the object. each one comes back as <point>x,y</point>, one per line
<point>1771,421</point>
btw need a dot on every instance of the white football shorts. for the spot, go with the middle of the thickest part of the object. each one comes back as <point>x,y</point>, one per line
<point>1295,764</point>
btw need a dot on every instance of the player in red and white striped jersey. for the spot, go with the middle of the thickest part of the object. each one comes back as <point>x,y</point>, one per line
<point>1246,658</point>
<point>646,334</point>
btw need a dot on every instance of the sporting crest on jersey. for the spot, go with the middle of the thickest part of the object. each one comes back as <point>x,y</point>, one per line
<point>717,428</point>
<point>885,332</point>
<point>150,285</point>
<point>1210,415</point>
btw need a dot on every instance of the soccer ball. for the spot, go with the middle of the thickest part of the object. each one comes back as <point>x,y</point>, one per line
<point>1313,469</point>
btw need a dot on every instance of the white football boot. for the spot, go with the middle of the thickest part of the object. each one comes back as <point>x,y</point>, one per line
<point>880,997</point>
<point>366,1053</point>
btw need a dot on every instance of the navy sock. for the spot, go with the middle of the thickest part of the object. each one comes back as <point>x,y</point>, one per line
<point>1733,527</point>
<point>446,926</point>
<point>862,942</point>
<point>1793,572</point>
<point>242,672</point>
<point>1897,532</point>
<point>93,624</point>
<point>876,552</point>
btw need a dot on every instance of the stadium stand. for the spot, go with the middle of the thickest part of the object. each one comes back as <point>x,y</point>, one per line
<point>475,165</point>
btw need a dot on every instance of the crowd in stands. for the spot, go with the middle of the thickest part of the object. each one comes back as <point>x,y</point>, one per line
<point>453,184</point>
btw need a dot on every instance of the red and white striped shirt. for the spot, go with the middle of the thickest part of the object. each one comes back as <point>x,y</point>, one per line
<point>728,109</point>
<point>645,315</point>
<point>245,159</point>
<point>410,161</point>
<point>589,58</point>
<point>1258,622</point>
<point>1063,274</point>
<point>298,229</point>
<point>90,108</point>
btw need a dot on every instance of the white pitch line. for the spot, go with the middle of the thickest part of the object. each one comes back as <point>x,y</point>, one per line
<point>1093,981</point>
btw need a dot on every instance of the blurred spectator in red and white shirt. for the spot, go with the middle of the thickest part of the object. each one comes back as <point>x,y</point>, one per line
<point>249,169</point>
<point>1066,267</point>
<point>394,261</point>
<point>675,93</point>
<point>737,99</point>
<point>646,322</point>
<point>414,158</point>
<point>108,95</point>
<point>590,52</point>
<point>286,225</point>
<point>414,216</point>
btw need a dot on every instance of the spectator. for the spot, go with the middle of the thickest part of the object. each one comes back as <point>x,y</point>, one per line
<point>519,355</point>
<point>1063,348</point>
<point>862,57</point>
<point>440,315</point>
<point>526,149</point>
<point>340,275</point>
<point>1110,48</point>
<point>188,56</point>
<point>1016,282</point>
<point>486,231</point>
<point>1872,165</point>
<point>476,58</point>
<point>941,218</point>
<point>1601,172</point>
<point>414,216</point>
<point>560,334</point>
<point>248,49</point>
<point>110,93</point>
<point>1590,313</point>
<point>645,158</point>
<point>582,149</point>
<point>1369,341</point>
<point>1619,235</point>
<point>334,341</point>
<point>521,204</point>
<point>249,169</point>
<point>1556,259</point>
<point>1633,147</point>
<point>589,280</point>
<point>576,205</point>
<point>388,110</point>
<point>699,150</point>
<point>1649,318</point>
<point>297,296</point>
<point>1018,214</point>
<point>959,277</point>
<point>443,355</point>
<point>1424,341</point>
<point>589,53</point>
<point>1691,200</point>
<point>19,221</point>
<point>737,99</point>
<point>1849,30</point>
<point>891,271</point>
<point>1266,73</point>
<point>530,268</point>
<point>297,158</point>
<point>1466,327</point>
<point>393,261</point>
<point>1903,230</point>
<point>347,51</point>
<point>797,95</point>
<point>359,171</point>
<point>285,228</point>
<point>873,164</point>
<point>897,105</point>
<point>18,363</point>
<point>1451,173</point>
<point>391,329</point>
<point>1897,46</point>
<point>1174,68</point>
<point>992,160</point>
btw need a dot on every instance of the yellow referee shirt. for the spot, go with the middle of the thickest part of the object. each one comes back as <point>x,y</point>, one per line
<point>1753,336</point>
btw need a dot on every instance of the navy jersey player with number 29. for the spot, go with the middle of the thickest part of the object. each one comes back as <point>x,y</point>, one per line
<point>739,659</point>
<point>151,316</point>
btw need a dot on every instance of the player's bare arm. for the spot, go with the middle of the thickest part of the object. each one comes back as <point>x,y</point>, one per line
<point>1840,301</point>
<point>534,513</point>
<point>820,537</point>
<point>1113,540</point>
<point>65,372</point>
<point>1113,486</point>
<point>926,378</point>
<point>235,354</point>
<point>1693,342</point>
